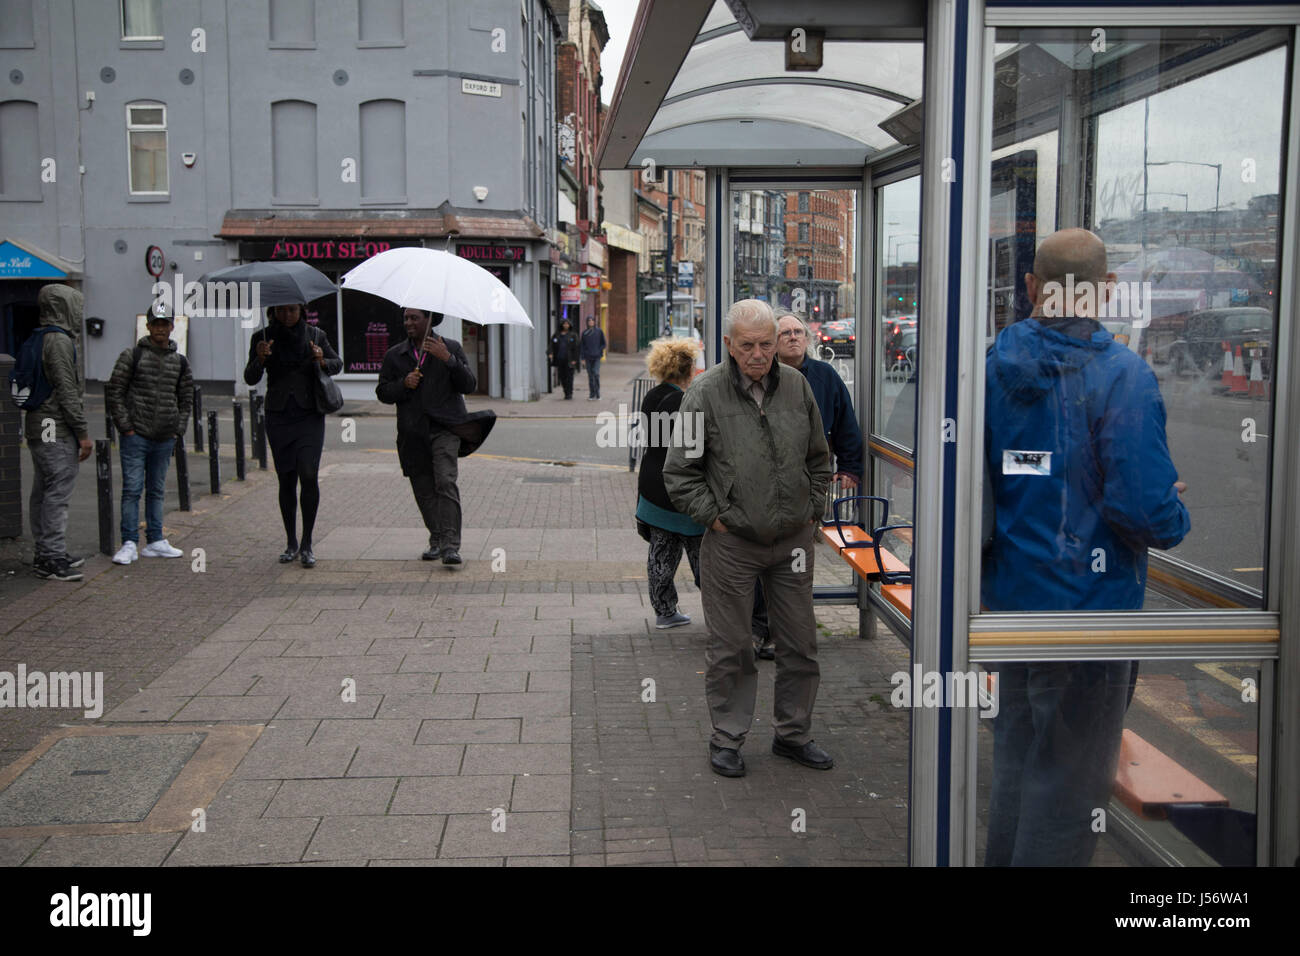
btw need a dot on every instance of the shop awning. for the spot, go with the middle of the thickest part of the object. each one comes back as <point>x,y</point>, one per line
<point>22,260</point>
<point>703,86</point>
<point>445,220</point>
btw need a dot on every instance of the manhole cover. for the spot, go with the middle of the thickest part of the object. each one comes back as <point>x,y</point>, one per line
<point>549,480</point>
<point>97,779</point>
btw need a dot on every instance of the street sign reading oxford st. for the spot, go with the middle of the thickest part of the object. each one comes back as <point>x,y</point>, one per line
<point>480,87</point>
<point>154,261</point>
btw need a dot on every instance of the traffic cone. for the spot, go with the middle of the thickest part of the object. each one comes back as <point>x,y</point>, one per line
<point>1240,385</point>
<point>1256,378</point>
<point>1226,381</point>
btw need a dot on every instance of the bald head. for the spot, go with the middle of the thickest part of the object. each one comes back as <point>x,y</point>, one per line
<point>1071,252</point>
<point>1069,277</point>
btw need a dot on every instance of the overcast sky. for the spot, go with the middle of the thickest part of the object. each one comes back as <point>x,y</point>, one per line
<point>619,15</point>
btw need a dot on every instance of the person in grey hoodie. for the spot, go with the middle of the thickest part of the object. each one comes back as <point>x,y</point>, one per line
<point>150,395</point>
<point>57,435</point>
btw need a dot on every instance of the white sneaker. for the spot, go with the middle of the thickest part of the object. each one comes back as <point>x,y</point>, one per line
<point>160,549</point>
<point>126,554</point>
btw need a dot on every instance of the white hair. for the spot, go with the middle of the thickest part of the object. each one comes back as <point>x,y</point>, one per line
<point>809,343</point>
<point>749,312</point>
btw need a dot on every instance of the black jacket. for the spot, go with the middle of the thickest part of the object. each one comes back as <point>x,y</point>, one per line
<point>664,399</point>
<point>154,397</point>
<point>571,347</point>
<point>439,400</point>
<point>290,378</point>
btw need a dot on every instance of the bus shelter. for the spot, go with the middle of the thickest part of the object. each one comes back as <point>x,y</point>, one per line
<point>891,171</point>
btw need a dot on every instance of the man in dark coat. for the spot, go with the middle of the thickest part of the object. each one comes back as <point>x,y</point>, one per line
<point>564,356</point>
<point>593,350</point>
<point>427,377</point>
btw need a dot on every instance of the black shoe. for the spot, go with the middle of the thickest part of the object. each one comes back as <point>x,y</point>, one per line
<point>451,556</point>
<point>290,555</point>
<point>810,755</point>
<point>58,569</point>
<point>42,568</point>
<point>726,762</point>
<point>433,554</point>
<point>308,559</point>
<point>74,562</point>
<point>764,649</point>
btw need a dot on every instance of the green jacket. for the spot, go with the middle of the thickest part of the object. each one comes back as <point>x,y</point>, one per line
<point>60,305</point>
<point>155,399</point>
<point>763,472</point>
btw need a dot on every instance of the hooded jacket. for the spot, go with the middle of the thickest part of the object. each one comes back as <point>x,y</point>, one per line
<point>763,471</point>
<point>1079,465</point>
<point>155,397</point>
<point>61,306</point>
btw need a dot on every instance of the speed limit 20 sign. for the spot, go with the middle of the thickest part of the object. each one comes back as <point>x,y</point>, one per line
<point>154,261</point>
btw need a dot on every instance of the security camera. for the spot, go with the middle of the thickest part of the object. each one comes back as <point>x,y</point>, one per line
<point>480,193</point>
<point>188,159</point>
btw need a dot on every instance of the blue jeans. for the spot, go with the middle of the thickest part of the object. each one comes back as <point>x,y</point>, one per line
<point>144,468</point>
<point>593,376</point>
<point>1055,745</point>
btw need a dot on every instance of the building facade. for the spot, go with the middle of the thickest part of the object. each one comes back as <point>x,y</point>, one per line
<point>581,259</point>
<point>187,136</point>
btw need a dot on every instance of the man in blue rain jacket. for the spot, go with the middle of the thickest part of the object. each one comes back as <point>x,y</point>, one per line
<point>1083,484</point>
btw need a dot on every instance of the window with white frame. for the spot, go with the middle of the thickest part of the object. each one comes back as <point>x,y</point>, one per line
<point>142,19</point>
<point>146,140</point>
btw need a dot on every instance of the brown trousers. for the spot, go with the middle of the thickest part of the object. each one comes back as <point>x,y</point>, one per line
<point>729,566</point>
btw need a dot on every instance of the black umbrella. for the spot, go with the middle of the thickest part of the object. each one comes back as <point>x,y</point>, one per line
<point>278,282</point>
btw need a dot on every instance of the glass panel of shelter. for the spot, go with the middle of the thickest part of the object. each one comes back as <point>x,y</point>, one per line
<point>795,249</point>
<point>1124,361</point>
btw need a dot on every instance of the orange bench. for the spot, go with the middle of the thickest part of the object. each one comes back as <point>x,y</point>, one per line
<point>863,561</point>
<point>1147,781</point>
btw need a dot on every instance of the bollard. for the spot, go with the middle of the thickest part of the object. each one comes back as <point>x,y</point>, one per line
<point>104,486</point>
<point>259,429</point>
<point>239,441</point>
<point>182,473</point>
<point>214,446</point>
<point>198,419</point>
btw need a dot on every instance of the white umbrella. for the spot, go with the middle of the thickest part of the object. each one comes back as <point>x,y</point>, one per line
<point>437,281</point>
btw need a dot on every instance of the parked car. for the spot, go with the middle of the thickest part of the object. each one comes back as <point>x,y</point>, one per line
<point>839,336</point>
<point>1200,350</point>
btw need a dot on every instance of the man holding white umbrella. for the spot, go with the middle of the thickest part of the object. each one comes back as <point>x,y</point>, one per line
<point>427,377</point>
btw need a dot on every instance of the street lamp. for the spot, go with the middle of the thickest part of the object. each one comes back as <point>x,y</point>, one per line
<point>1218,179</point>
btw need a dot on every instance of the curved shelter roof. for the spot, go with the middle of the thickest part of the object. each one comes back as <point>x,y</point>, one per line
<point>732,101</point>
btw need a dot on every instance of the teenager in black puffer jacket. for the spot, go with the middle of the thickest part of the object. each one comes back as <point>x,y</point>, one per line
<point>150,395</point>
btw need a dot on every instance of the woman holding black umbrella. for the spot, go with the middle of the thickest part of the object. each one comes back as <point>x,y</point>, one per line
<point>290,351</point>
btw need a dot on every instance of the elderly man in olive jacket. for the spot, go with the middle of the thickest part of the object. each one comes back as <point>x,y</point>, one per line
<point>759,488</point>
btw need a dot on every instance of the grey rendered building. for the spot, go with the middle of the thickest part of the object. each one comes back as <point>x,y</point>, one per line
<point>228,131</point>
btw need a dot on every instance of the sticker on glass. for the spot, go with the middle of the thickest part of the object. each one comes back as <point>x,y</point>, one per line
<point>1026,462</point>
